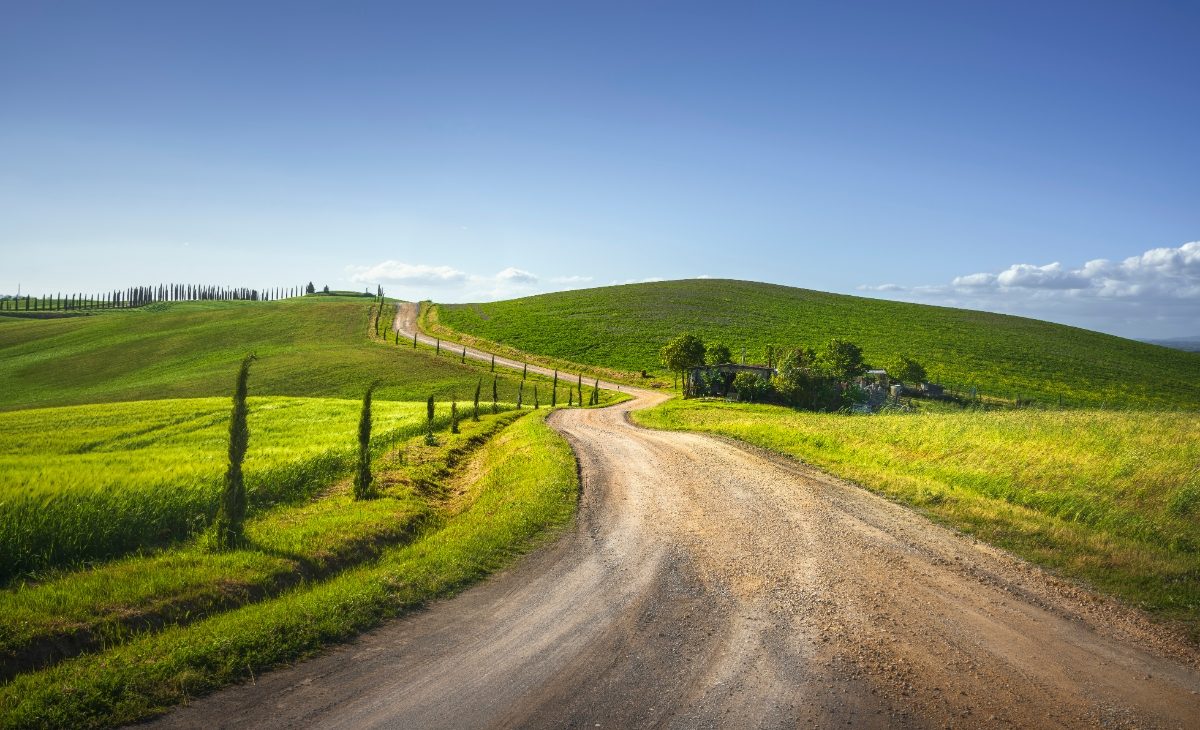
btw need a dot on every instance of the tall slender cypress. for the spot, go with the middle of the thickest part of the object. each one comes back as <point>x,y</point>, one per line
<point>453,414</point>
<point>536,405</point>
<point>231,513</point>
<point>495,408</point>
<point>520,394</point>
<point>362,475</point>
<point>524,371</point>
<point>429,422</point>
<point>463,359</point>
<point>493,362</point>
<point>475,413</point>
<point>579,387</point>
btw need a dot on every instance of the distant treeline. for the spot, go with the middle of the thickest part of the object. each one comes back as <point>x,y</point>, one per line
<point>137,296</point>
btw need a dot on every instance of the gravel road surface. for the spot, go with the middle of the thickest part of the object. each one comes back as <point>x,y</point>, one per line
<point>705,584</point>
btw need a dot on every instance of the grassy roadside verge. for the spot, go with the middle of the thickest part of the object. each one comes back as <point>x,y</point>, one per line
<point>524,486</point>
<point>428,321</point>
<point>1112,498</point>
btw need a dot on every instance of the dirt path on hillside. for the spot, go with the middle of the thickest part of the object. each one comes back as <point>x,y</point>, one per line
<point>406,324</point>
<point>708,585</point>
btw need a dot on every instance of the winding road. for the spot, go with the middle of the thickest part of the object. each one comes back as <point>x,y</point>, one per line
<point>705,584</point>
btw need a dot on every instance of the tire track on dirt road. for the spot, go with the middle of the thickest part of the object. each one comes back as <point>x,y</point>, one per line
<point>705,584</point>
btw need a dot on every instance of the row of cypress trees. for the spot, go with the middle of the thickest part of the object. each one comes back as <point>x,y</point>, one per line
<point>137,296</point>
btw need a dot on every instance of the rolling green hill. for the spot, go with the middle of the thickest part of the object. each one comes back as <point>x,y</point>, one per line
<point>312,346</point>
<point>623,327</point>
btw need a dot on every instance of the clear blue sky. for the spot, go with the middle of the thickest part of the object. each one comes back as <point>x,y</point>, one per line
<point>921,151</point>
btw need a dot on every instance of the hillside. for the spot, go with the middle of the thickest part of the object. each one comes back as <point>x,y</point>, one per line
<point>313,346</point>
<point>624,327</point>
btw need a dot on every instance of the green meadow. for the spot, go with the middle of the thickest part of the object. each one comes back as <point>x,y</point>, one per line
<point>1112,498</point>
<point>622,328</point>
<point>86,483</point>
<point>115,602</point>
<point>130,640</point>
<point>310,346</point>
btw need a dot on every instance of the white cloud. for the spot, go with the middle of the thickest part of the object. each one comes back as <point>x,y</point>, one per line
<point>448,284</point>
<point>570,280</point>
<point>519,276</point>
<point>1158,289</point>
<point>398,272</point>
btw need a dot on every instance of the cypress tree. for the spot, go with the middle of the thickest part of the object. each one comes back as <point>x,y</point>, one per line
<point>463,359</point>
<point>493,362</point>
<point>475,413</point>
<point>231,513</point>
<point>453,415</point>
<point>438,351</point>
<point>397,337</point>
<point>429,440</point>
<point>495,408</point>
<point>520,394</point>
<point>570,397</point>
<point>579,387</point>
<point>524,371</point>
<point>362,475</point>
<point>554,397</point>
<point>414,340</point>
<point>536,405</point>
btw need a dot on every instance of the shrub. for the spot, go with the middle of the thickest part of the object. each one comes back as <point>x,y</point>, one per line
<point>750,387</point>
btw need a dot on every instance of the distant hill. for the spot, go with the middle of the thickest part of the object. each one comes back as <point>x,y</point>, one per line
<point>310,346</point>
<point>624,327</point>
<point>1187,344</point>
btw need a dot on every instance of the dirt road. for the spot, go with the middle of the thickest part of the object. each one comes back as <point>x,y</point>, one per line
<point>706,585</point>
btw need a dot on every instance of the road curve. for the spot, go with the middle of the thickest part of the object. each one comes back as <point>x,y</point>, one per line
<point>707,585</point>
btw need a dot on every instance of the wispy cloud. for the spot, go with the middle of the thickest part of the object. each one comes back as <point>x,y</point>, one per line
<point>1159,288</point>
<point>446,283</point>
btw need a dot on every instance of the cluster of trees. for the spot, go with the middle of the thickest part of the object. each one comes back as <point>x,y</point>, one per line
<point>821,379</point>
<point>137,296</point>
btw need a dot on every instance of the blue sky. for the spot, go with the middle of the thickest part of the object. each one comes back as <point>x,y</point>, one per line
<point>971,154</point>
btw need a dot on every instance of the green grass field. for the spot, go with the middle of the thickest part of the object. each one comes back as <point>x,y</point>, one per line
<point>624,327</point>
<point>312,346</point>
<point>1112,498</point>
<point>449,513</point>
<point>86,483</point>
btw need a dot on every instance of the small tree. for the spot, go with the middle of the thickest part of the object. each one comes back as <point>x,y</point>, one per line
<point>719,354</point>
<point>231,512</point>
<point>907,370</point>
<point>524,371</point>
<point>495,408</point>
<point>362,475</point>
<point>310,289</point>
<point>536,404</point>
<point>554,391</point>
<point>453,414</point>
<point>683,352</point>
<point>463,359</point>
<point>842,360</point>
<point>579,388</point>
<point>570,398</point>
<point>493,362</point>
<point>520,393</point>
<point>325,290</point>
<point>475,413</point>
